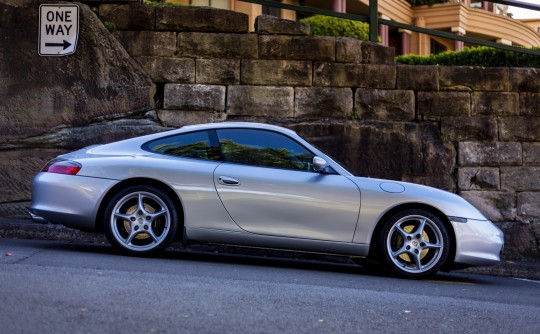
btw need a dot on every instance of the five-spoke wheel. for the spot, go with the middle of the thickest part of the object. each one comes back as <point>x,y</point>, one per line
<point>140,220</point>
<point>414,243</point>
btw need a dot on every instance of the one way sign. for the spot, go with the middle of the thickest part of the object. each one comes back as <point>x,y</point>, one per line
<point>58,29</point>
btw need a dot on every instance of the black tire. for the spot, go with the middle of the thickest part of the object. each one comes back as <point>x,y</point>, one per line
<point>413,243</point>
<point>140,220</point>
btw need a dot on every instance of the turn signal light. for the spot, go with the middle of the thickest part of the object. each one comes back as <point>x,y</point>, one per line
<point>60,166</point>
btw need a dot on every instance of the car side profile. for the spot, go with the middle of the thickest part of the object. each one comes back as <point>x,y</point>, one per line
<point>258,185</point>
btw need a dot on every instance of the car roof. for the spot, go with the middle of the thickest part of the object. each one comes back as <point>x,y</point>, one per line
<point>229,125</point>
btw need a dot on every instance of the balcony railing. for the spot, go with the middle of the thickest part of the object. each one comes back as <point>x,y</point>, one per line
<point>374,21</point>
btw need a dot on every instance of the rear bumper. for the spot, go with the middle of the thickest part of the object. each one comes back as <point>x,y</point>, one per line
<point>67,199</point>
<point>479,243</point>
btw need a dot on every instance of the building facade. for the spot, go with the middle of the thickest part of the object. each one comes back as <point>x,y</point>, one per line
<point>480,19</point>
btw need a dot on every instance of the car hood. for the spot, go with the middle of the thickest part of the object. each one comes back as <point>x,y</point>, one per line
<point>393,193</point>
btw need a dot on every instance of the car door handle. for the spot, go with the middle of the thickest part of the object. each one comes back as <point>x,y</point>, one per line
<point>228,181</point>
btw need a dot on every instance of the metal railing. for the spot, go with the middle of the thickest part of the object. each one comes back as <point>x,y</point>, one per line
<point>374,21</point>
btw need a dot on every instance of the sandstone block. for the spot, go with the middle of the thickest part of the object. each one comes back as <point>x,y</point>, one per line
<point>434,105</point>
<point>418,77</point>
<point>531,153</point>
<point>374,53</point>
<point>168,69</point>
<point>489,153</point>
<point>323,102</point>
<point>128,16</point>
<point>391,150</point>
<point>495,205</point>
<point>148,43</point>
<point>260,101</point>
<point>463,128</point>
<point>218,71</point>
<point>520,178</point>
<point>276,72</point>
<point>217,45</point>
<point>494,104</point>
<point>528,207</point>
<point>520,128</point>
<point>385,104</point>
<point>17,210</point>
<point>17,169</point>
<point>38,94</point>
<point>496,79</point>
<point>479,178</point>
<point>202,19</point>
<point>297,48</point>
<point>339,75</point>
<point>194,97</point>
<point>271,25</point>
<point>178,118</point>
<point>444,182</point>
<point>529,104</point>
<point>75,137</point>
<point>525,80</point>
<point>348,50</point>
<point>522,241</point>
<point>380,76</point>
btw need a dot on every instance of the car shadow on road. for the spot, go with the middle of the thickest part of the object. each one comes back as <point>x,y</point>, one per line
<point>263,257</point>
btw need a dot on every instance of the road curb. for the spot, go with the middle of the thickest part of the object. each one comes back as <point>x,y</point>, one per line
<point>27,229</point>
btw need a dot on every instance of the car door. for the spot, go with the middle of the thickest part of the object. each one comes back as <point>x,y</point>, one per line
<point>268,187</point>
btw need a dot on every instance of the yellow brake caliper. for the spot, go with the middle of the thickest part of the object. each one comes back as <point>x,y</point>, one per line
<point>405,256</point>
<point>127,224</point>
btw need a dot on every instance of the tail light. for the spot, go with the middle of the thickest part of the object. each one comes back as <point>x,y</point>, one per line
<point>60,166</point>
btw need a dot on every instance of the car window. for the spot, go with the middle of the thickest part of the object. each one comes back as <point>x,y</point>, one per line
<point>187,145</point>
<point>263,148</point>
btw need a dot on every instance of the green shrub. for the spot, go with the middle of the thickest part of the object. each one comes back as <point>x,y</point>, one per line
<point>160,3</point>
<point>110,26</point>
<point>480,56</point>
<point>333,26</point>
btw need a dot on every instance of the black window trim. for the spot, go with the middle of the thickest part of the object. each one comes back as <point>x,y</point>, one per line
<point>266,130</point>
<point>215,144</point>
<point>211,140</point>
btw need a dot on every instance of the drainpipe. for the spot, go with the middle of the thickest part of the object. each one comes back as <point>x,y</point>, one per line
<point>339,6</point>
<point>405,41</point>
<point>458,45</point>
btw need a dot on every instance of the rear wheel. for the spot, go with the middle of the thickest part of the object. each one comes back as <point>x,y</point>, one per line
<point>140,220</point>
<point>414,243</point>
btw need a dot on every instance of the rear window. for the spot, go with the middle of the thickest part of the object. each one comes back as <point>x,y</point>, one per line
<point>186,145</point>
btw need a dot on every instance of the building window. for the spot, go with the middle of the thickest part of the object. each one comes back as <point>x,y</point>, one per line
<point>267,10</point>
<point>437,47</point>
<point>223,4</point>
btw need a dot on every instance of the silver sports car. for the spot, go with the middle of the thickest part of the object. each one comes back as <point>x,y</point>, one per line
<point>258,185</point>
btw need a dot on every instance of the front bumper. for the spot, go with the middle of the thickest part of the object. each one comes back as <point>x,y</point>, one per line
<point>478,243</point>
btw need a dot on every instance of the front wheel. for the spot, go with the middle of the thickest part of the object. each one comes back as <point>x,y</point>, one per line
<point>414,243</point>
<point>140,220</point>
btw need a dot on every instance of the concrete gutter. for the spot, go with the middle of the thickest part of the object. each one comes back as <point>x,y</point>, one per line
<point>27,229</point>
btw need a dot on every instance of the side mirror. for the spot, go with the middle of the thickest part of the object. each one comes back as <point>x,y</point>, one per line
<point>319,164</point>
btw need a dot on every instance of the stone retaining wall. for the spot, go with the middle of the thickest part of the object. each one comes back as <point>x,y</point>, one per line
<point>475,131</point>
<point>487,119</point>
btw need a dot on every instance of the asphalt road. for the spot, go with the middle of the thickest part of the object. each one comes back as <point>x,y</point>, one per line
<point>62,287</point>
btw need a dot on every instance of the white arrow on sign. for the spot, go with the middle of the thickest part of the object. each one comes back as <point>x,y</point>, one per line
<point>58,29</point>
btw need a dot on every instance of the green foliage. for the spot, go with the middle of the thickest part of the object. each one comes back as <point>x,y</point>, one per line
<point>160,3</point>
<point>415,3</point>
<point>110,26</point>
<point>264,156</point>
<point>333,26</point>
<point>480,56</point>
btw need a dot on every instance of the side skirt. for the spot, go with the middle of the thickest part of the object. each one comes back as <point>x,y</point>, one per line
<point>246,239</point>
